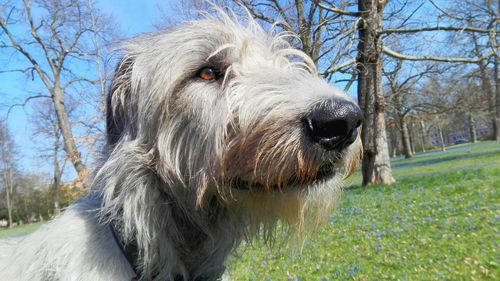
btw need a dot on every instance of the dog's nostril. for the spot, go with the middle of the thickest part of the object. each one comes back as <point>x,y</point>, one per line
<point>351,138</point>
<point>329,129</point>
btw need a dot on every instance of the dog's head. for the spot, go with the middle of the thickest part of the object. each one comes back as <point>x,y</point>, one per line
<point>231,111</point>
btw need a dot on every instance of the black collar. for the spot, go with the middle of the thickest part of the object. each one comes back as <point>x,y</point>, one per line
<point>129,250</point>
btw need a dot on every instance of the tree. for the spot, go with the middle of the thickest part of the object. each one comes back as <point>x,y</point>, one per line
<point>462,22</point>
<point>46,125</point>
<point>32,198</point>
<point>453,101</point>
<point>402,97</point>
<point>7,166</point>
<point>488,86</point>
<point>376,161</point>
<point>56,43</point>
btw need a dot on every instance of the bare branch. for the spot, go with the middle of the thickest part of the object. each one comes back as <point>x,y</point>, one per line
<point>263,17</point>
<point>37,38</point>
<point>354,77</point>
<point>335,68</point>
<point>411,14</point>
<point>24,71</point>
<point>281,11</point>
<point>23,104</point>
<point>43,75</point>
<point>78,79</point>
<point>436,28</point>
<point>338,11</point>
<point>432,58</point>
<point>445,12</point>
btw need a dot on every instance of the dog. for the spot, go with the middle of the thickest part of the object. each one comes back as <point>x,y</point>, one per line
<point>216,131</point>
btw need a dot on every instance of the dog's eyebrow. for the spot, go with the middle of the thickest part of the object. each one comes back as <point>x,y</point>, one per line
<point>219,61</point>
<point>221,49</point>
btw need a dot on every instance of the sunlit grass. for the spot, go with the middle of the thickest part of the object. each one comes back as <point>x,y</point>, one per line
<point>439,222</point>
<point>19,230</point>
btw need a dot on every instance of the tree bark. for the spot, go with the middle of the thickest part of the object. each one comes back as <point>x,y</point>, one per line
<point>441,138</point>
<point>393,137</point>
<point>487,87</point>
<point>472,128</point>
<point>412,142</point>
<point>423,136</point>
<point>65,126</point>
<point>496,102</point>
<point>405,138</point>
<point>57,172</point>
<point>376,160</point>
<point>8,191</point>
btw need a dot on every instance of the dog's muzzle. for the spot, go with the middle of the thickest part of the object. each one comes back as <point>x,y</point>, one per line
<point>333,123</point>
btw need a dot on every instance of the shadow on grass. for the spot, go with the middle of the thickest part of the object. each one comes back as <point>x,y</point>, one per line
<point>432,161</point>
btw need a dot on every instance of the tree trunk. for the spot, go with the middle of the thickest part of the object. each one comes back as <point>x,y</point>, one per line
<point>405,138</point>
<point>66,131</point>
<point>472,128</point>
<point>8,192</point>
<point>441,138</point>
<point>412,142</point>
<point>376,160</point>
<point>57,172</point>
<point>496,102</point>
<point>394,142</point>
<point>423,136</point>
<point>487,87</point>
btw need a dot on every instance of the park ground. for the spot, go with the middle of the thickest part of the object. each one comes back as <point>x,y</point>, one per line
<point>440,221</point>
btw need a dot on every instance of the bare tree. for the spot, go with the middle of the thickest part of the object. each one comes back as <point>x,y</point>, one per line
<point>452,99</point>
<point>464,22</point>
<point>488,86</point>
<point>7,165</point>
<point>401,87</point>
<point>56,43</point>
<point>45,124</point>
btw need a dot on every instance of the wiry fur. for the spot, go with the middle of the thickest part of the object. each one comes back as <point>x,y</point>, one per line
<point>177,148</point>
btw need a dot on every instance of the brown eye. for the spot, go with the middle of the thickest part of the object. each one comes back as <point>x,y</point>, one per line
<point>207,74</point>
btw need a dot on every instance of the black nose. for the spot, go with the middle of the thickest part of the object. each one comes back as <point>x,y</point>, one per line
<point>333,123</point>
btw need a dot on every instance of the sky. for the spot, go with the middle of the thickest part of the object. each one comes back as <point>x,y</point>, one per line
<point>134,16</point>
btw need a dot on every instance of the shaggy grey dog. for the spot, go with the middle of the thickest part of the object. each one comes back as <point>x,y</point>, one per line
<point>216,131</point>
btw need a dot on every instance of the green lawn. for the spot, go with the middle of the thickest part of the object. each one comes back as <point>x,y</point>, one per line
<point>19,230</point>
<point>439,222</point>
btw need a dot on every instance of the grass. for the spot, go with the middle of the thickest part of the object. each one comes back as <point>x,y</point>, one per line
<point>440,221</point>
<point>19,230</point>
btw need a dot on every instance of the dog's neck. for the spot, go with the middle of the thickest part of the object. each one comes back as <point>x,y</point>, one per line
<point>173,236</point>
<point>189,245</point>
<point>205,239</point>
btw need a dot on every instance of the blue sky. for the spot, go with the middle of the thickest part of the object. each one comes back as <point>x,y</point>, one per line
<point>134,16</point>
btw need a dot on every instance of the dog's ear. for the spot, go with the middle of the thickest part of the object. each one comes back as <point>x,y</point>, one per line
<point>118,101</point>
